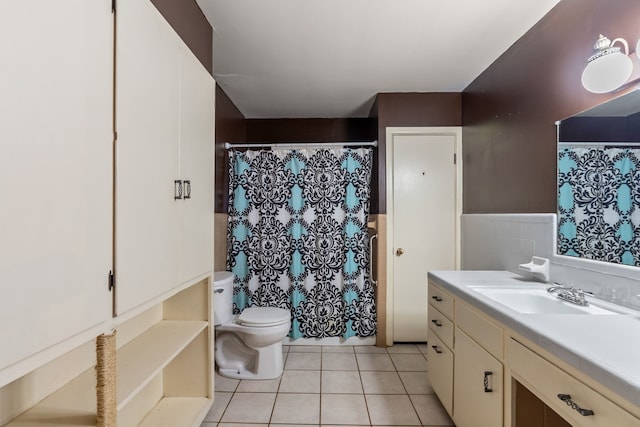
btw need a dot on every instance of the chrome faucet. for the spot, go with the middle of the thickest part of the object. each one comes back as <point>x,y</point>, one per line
<point>559,287</point>
<point>570,294</point>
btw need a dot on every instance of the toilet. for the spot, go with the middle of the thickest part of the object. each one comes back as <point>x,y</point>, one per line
<point>248,345</point>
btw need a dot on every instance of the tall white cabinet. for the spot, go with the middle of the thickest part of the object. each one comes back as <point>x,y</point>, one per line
<point>56,175</point>
<point>164,120</point>
<point>87,192</point>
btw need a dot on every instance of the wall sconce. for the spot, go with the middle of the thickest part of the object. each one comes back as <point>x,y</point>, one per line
<point>608,68</point>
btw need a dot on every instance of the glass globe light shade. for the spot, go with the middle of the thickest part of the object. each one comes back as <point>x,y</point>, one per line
<point>607,72</point>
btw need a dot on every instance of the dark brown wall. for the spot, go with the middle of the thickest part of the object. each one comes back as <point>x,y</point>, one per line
<point>407,109</point>
<point>189,22</point>
<point>310,130</point>
<point>230,127</point>
<point>509,111</point>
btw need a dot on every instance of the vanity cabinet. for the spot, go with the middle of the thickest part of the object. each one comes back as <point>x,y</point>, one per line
<point>165,134</point>
<point>489,359</point>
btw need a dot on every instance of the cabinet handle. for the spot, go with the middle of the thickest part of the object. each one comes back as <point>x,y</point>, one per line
<point>177,189</point>
<point>566,398</point>
<point>487,374</point>
<point>187,189</point>
<point>436,348</point>
<point>436,322</point>
<point>437,298</point>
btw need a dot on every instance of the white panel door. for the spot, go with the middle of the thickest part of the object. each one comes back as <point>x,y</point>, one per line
<point>197,100</point>
<point>56,140</point>
<point>147,105</point>
<point>424,225</point>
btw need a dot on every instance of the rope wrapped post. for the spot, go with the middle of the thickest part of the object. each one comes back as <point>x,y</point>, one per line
<point>106,379</point>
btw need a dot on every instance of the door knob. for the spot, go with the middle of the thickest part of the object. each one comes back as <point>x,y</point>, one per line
<point>399,251</point>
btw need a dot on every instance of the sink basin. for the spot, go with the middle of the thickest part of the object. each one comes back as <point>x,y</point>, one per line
<point>538,301</point>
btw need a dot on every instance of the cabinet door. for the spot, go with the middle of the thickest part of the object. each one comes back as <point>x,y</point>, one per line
<point>197,92</point>
<point>477,388</point>
<point>147,105</point>
<point>56,142</point>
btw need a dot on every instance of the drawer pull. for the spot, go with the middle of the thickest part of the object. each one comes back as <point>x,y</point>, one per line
<point>436,348</point>
<point>437,323</point>
<point>487,374</point>
<point>437,298</point>
<point>566,398</point>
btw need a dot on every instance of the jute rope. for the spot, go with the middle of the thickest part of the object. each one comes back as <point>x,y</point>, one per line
<point>106,379</point>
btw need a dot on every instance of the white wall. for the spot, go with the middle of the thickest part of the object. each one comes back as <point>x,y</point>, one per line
<point>503,241</point>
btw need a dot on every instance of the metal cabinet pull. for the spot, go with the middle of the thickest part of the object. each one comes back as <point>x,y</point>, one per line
<point>187,189</point>
<point>437,298</point>
<point>436,348</point>
<point>177,189</point>
<point>436,322</point>
<point>487,374</point>
<point>566,398</point>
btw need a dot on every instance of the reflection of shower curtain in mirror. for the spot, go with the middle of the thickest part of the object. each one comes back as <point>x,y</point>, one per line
<point>297,237</point>
<point>599,204</point>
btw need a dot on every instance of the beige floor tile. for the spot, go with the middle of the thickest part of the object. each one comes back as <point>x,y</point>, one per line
<point>242,425</point>
<point>347,382</point>
<point>374,362</point>
<point>344,409</point>
<point>219,405</point>
<point>391,410</point>
<point>369,349</point>
<point>296,409</point>
<point>299,381</point>
<point>339,362</point>
<point>249,408</point>
<point>430,410</point>
<point>375,382</point>
<point>225,384</point>
<point>409,362</point>
<point>403,348</point>
<point>337,349</point>
<point>416,382</point>
<point>303,361</point>
<point>258,386</point>
<point>305,349</point>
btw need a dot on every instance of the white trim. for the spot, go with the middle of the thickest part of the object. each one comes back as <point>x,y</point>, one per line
<point>456,131</point>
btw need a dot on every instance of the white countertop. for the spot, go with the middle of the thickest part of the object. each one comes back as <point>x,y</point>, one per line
<point>603,347</point>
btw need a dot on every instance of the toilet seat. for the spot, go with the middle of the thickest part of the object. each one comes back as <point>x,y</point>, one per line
<point>263,317</point>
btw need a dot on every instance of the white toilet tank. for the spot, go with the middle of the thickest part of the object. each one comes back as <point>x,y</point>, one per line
<point>222,297</point>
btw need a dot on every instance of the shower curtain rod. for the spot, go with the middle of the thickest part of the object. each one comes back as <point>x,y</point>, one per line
<point>228,145</point>
<point>599,144</point>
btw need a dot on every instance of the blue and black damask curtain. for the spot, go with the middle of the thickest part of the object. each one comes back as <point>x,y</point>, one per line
<point>297,237</point>
<point>599,204</point>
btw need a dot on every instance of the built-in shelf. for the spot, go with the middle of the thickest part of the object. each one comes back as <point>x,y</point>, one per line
<point>177,411</point>
<point>143,358</point>
<point>74,405</point>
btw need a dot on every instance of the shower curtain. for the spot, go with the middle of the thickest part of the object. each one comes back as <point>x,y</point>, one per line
<point>297,237</point>
<point>599,204</point>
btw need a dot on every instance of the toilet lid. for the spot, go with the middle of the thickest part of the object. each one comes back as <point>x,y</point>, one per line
<point>263,316</point>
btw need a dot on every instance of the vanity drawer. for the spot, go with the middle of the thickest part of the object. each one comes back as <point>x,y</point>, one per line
<point>442,326</point>
<point>548,381</point>
<point>440,371</point>
<point>480,328</point>
<point>441,300</point>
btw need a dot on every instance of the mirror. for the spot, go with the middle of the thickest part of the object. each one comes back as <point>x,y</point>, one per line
<point>598,186</point>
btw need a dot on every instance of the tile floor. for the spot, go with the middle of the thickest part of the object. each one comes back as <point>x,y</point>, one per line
<point>334,386</point>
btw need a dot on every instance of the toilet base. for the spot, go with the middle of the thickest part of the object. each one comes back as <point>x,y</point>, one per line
<point>234,359</point>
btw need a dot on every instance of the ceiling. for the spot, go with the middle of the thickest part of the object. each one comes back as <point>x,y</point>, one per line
<point>329,58</point>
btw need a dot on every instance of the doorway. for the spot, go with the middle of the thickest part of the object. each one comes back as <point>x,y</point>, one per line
<point>424,204</point>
